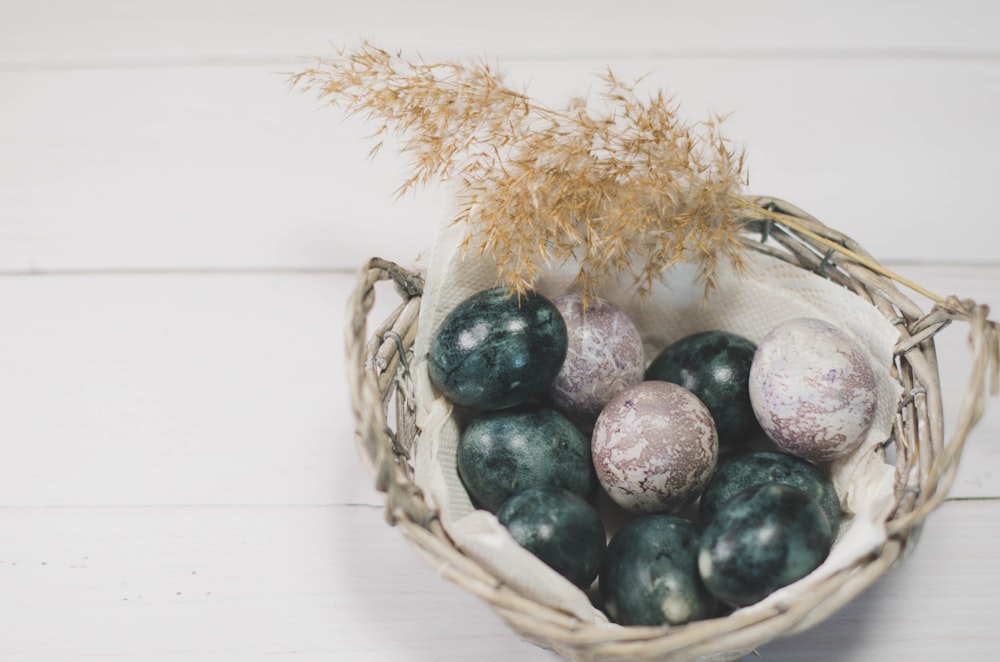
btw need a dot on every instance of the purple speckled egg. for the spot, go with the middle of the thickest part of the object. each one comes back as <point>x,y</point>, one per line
<point>654,447</point>
<point>812,389</point>
<point>604,356</point>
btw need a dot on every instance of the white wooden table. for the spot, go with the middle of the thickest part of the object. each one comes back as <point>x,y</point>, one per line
<point>179,234</point>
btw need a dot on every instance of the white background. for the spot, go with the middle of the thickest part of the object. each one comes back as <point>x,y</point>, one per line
<point>179,233</point>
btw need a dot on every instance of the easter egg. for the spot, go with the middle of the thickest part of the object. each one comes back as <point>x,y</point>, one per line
<point>715,366</point>
<point>761,539</point>
<point>604,356</point>
<point>504,452</point>
<point>560,528</point>
<point>650,574</point>
<point>763,467</point>
<point>496,349</point>
<point>812,389</point>
<point>654,447</point>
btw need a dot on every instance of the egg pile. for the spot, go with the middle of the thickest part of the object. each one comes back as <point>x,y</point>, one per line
<point>713,449</point>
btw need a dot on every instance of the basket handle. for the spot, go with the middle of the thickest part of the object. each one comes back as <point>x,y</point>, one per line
<point>377,370</point>
<point>984,342</point>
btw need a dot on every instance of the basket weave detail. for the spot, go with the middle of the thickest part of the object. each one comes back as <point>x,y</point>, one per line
<point>925,462</point>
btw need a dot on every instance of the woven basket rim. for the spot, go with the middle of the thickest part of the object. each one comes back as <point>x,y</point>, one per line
<point>925,462</point>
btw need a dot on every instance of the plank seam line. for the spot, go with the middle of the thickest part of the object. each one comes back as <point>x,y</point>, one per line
<point>352,270</point>
<point>124,63</point>
<point>181,271</point>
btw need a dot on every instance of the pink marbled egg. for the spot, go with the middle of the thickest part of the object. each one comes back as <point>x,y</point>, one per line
<point>812,389</point>
<point>654,447</point>
<point>604,356</point>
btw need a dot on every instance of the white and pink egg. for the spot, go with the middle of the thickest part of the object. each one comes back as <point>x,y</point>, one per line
<point>604,356</point>
<point>654,447</point>
<point>812,389</point>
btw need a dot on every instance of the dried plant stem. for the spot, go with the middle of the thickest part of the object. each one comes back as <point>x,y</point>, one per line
<point>796,224</point>
<point>618,185</point>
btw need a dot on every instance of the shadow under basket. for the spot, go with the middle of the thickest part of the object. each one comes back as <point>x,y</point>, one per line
<point>925,463</point>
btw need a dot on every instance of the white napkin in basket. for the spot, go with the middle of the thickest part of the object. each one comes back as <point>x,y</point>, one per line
<point>750,305</point>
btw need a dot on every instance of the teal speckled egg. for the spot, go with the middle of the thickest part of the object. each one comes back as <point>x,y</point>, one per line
<point>560,528</point>
<point>763,467</point>
<point>762,538</point>
<point>496,350</point>
<point>650,574</point>
<point>504,452</point>
<point>715,366</point>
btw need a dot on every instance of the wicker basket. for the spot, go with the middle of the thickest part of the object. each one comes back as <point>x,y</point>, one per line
<point>925,462</point>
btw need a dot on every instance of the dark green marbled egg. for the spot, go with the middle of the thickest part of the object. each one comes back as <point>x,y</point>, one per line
<point>762,538</point>
<point>496,350</point>
<point>504,452</point>
<point>715,366</point>
<point>650,574</point>
<point>560,528</point>
<point>762,467</point>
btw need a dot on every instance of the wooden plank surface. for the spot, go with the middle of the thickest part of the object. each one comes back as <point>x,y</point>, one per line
<point>335,582</point>
<point>179,234</point>
<point>223,167</point>
<point>57,33</point>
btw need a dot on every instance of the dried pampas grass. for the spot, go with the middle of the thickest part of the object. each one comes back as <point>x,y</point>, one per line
<point>615,183</point>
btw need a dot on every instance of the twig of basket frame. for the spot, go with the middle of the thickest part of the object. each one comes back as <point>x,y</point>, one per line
<point>756,209</point>
<point>807,255</point>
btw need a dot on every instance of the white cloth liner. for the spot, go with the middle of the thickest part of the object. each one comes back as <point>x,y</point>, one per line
<point>750,305</point>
